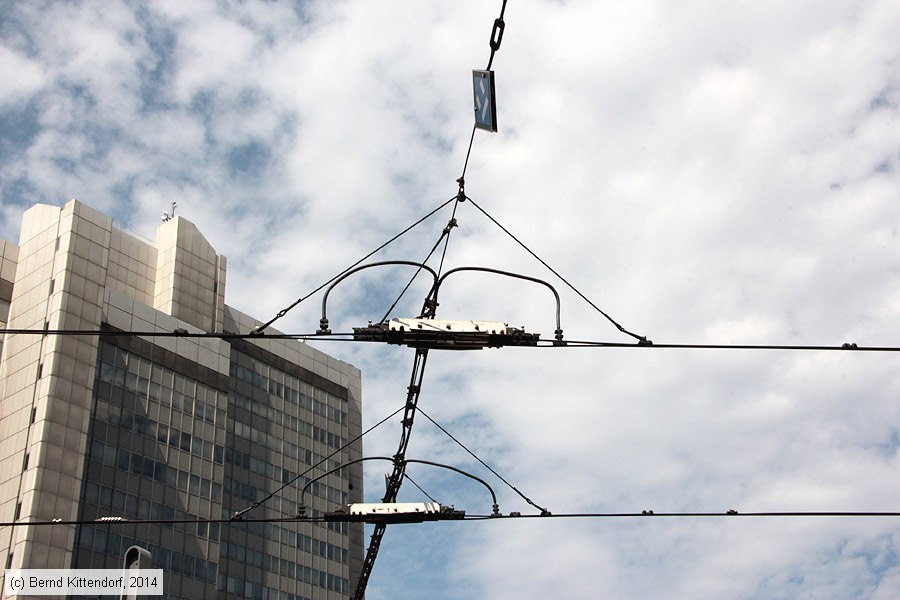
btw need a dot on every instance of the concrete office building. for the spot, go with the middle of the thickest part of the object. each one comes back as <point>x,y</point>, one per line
<point>164,428</point>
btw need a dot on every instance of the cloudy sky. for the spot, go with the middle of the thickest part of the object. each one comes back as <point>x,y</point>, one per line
<point>706,172</point>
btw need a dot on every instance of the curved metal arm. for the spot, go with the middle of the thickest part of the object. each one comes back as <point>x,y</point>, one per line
<point>496,507</point>
<point>323,323</point>
<point>438,282</point>
<point>336,469</point>
<point>461,472</point>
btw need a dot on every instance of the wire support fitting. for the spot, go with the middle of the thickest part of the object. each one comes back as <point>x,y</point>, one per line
<point>323,327</point>
<point>497,34</point>
<point>429,307</point>
<point>461,195</point>
<point>450,225</point>
<point>558,338</point>
<point>496,511</point>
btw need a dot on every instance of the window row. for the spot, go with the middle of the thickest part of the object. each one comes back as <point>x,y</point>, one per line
<point>273,415</point>
<point>201,406</point>
<point>112,544</point>
<point>162,433</point>
<point>304,542</point>
<point>135,507</point>
<point>252,493</point>
<point>271,531</point>
<point>300,541</point>
<point>256,591</point>
<point>296,392</point>
<point>156,470</point>
<point>145,368</point>
<point>274,443</point>
<point>267,469</point>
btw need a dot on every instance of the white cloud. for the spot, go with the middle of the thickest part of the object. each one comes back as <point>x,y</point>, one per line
<point>707,172</point>
<point>24,76</point>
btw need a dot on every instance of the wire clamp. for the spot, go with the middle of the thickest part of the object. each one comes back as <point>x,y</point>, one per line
<point>497,34</point>
<point>429,307</point>
<point>461,195</point>
<point>323,327</point>
<point>558,339</point>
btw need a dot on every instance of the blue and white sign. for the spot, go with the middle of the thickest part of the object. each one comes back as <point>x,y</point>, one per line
<point>485,101</point>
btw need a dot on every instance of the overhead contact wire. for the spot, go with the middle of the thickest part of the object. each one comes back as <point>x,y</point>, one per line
<point>543,510</point>
<point>646,514</point>
<point>640,338</point>
<point>348,337</point>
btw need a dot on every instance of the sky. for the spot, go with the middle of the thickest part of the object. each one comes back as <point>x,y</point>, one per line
<point>706,172</point>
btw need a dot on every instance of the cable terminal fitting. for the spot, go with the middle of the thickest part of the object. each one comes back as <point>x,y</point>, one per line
<point>323,327</point>
<point>558,338</point>
<point>461,195</point>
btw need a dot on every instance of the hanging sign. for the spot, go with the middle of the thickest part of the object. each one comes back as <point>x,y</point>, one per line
<point>485,100</point>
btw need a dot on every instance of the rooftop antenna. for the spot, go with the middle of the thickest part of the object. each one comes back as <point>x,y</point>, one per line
<point>167,215</point>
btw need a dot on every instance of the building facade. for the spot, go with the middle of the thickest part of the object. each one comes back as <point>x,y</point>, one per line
<point>157,429</point>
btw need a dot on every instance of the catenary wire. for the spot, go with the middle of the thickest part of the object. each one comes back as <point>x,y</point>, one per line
<point>497,31</point>
<point>468,154</point>
<point>393,484</point>
<point>345,337</point>
<point>239,514</point>
<point>445,235</point>
<point>496,39</point>
<point>287,309</point>
<point>460,197</point>
<point>561,278</point>
<point>449,228</point>
<point>115,520</point>
<point>649,514</point>
<point>845,347</point>
<point>419,487</point>
<point>484,464</point>
<point>645,514</point>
